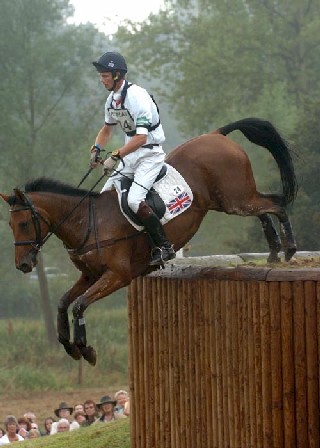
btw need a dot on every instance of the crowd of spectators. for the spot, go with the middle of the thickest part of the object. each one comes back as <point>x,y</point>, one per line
<point>66,418</point>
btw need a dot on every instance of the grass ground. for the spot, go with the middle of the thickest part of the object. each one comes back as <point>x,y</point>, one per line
<point>99,435</point>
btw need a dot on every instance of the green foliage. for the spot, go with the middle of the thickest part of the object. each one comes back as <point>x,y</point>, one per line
<point>208,63</point>
<point>218,59</point>
<point>221,61</point>
<point>306,214</point>
<point>28,364</point>
<point>51,108</point>
<point>115,434</point>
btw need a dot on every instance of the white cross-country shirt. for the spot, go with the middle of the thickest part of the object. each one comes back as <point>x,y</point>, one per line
<point>137,114</point>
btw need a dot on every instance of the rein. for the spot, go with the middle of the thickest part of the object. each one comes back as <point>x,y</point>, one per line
<point>38,242</point>
<point>37,217</point>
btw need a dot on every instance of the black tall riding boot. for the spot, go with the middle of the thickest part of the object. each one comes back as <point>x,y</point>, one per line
<point>163,250</point>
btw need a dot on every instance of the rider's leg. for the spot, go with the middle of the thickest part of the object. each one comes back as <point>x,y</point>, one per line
<point>146,171</point>
<point>164,250</point>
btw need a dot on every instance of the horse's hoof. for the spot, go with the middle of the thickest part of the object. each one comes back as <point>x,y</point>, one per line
<point>89,354</point>
<point>71,349</point>
<point>289,253</point>
<point>273,258</point>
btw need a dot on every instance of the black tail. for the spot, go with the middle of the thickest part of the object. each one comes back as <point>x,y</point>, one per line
<point>263,133</point>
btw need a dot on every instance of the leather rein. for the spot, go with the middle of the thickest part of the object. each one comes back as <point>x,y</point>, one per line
<point>38,242</point>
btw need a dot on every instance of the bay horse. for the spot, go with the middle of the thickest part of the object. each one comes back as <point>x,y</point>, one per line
<point>109,252</point>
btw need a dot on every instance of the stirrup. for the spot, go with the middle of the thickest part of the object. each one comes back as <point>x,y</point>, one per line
<point>159,255</point>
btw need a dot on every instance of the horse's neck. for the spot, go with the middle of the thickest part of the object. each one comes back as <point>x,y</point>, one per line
<point>68,216</point>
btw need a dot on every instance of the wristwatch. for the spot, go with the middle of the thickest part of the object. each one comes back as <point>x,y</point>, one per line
<point>116,153</point>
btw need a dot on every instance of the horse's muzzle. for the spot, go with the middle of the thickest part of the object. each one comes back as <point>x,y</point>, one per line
<point>28,262</point>
<point>24,267</point>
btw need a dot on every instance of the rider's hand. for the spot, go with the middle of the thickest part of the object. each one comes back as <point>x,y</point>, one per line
<point>95,158</point>
<point>110,163</point>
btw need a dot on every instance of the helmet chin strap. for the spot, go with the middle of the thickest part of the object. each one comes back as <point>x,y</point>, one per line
<point>116,78</point>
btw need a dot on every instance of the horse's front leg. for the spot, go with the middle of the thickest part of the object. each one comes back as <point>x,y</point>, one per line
<point>63,327</point>
<point>107,284</point>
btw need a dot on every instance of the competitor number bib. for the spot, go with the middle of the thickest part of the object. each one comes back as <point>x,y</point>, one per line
<point>123,117</point>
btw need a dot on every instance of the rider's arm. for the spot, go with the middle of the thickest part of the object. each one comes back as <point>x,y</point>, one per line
<point>133,144</point>
<point>103,136</point>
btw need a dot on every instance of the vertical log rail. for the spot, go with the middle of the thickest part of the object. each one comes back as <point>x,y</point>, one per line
<point>276,365</point>
<point>300,364</point>
<point>287,363</point>
<point>312,364</point>
<point>223,358</point>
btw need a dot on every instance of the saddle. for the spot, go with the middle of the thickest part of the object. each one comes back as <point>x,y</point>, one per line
<point>153,198</point>
<point>169,196</point>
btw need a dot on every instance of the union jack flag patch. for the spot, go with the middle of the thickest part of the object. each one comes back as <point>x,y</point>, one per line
<point>179,203</point>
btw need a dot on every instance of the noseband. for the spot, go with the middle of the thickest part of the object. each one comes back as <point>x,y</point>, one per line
<point>38,242</point>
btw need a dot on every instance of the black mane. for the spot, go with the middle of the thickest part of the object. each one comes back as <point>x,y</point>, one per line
<point>54,186</point>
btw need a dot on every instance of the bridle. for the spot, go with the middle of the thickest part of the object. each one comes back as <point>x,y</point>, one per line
<point>37,217</point>
<point>38,242</point>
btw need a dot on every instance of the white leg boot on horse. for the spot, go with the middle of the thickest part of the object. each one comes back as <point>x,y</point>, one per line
<point>163,250</point>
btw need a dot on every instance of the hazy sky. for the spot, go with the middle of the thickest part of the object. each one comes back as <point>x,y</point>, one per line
<point>108,14</point>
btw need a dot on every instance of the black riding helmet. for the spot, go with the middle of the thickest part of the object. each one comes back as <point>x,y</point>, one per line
<point>111,62</point>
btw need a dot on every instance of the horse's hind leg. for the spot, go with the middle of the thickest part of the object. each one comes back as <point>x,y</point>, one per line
<point>289,242</point>
<point>272,237</point>
<point>287,237</point>
<point>261,206</point>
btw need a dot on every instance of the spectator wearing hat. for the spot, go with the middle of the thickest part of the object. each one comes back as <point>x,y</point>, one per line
<point>11,425</point>
<point>106,407</point>
<point>64,411</point>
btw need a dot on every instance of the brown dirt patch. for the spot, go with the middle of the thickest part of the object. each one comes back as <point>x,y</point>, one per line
<point>294,263</point>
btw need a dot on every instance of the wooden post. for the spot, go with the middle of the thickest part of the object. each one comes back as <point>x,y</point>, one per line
<point>225,358</point>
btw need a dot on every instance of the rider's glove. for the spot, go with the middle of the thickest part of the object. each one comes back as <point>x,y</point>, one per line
<point>95,158</point>
<point>110,163</point>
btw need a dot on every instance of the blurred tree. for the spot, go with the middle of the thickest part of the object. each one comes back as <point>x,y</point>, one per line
<point>227,59</point>
<point>221,61</point>
<point>51,106</point>
<point>45,69</point>
<point>306,213</point>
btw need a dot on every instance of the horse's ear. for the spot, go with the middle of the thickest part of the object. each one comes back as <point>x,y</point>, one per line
<point>5,197</point>
<point>19,194</point>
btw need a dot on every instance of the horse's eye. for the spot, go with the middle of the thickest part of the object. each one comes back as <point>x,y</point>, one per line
<point>23,225</point>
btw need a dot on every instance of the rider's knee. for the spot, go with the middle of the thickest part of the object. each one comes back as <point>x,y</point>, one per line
<point>133,203</point>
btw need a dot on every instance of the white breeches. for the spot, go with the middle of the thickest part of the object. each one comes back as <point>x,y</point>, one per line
<point>143,166</point>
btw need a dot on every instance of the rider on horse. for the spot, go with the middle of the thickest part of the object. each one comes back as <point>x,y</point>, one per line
<point>142,155</point>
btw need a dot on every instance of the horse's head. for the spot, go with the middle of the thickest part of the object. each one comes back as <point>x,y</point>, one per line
<point>29,228</point>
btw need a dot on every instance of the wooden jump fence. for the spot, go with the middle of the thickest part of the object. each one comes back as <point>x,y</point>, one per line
<point>225,357</point>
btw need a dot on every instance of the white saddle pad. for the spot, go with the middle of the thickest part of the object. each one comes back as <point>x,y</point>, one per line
<point>173,190</point>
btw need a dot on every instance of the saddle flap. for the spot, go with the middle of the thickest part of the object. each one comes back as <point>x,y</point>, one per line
<point>153,198</point>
